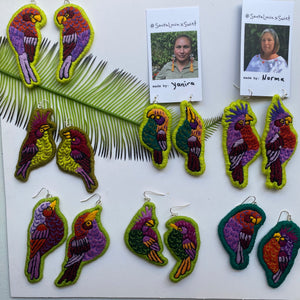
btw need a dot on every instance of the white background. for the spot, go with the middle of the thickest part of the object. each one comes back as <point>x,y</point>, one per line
<point>120,38</point>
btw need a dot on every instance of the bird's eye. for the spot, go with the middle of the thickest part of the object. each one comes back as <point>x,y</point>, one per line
<point>241,122</point>
<point>41,130</point>
<point>73,140</point>
<point>157,117</point>
<point>152,117</point>
<point>87,225</point>
<point>281,121</point>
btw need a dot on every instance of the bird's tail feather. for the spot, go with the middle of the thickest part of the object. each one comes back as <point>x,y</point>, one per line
<point>70,273</point>
<point>239,254</point>
<point>153,256</point>
<point>277,276</point>
<point>184,267</point>
<point>34,266</point>
<point>89,181</point>
<point>276,172</point>
<point>193,162</point>
<point>238,174</point>
<point>157,156</point>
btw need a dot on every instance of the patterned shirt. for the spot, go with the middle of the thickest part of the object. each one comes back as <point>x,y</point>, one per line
<point>276,65</point>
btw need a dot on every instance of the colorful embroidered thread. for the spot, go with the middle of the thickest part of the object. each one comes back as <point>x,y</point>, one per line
<point>279,142</point>
<point>188,139</point>
<point>183,241</point>
<point>237,232</point>
<point>23,32</point>
<point>142,237</point>
<point>38,147</point>
<point>155,134</point>
<point>47,230</point>
<point>88,242</point>
<point>76,38</point>
<point>277,251</point>
<point>75,155</point>
<point>240,141</point>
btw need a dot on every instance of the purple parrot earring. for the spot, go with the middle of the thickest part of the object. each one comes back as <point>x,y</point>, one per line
<point>188,139</point>
<point>76,37</point>
<point>87,242</point>
<point>23,32</point>
<point>237,232</point>
<point>142,236</point>
<point>47,230</point>
<point>38,147</point>
<point>278,249</point>
<point>183,241</point>
<point>75,156</point>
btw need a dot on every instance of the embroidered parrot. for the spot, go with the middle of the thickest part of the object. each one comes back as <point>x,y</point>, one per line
<point>142,236</point>
<point>38,147</point>
<point>155,134</point>
<point>183,240</point>
<point>188,139</point>
<point>278,143</point>
<point>76,38</point>
<point>277,251</point>
<point>46,232</point>
<point>87,242</point>
<point>76,156</point>
<point>24,37</point>
<point>237,232</point>
<point>240,141</point>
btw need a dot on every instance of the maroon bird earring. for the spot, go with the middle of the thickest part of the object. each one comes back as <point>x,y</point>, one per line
<point>75,156</point>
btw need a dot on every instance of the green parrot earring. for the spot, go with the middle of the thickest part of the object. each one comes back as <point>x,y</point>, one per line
<point>237,232</point>
<point>142,236</point>
<point>188,139</point>
<point>183,241</point>
<point>75,156</point>
<point>155,134</point>
<point>47,230</point>
<point>38,147</point>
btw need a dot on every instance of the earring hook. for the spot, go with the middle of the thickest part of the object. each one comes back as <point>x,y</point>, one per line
<point>98,202</point>
<point>39,192</point>
<point>68,123</point>
<point>289,217</point>
<point>43,101</point>
<point>147,198</point>
<point>174,214</point>
<point>249,197</point>
<point>155,99</point>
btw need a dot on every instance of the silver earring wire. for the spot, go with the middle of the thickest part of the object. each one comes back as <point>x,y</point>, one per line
<point>39,192</point>
<point>98,202</point>
<point>289,217</point>
<point>147,198</point>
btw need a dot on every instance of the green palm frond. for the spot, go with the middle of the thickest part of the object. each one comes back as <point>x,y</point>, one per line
<point>211,125</point>
<point>108,107</point>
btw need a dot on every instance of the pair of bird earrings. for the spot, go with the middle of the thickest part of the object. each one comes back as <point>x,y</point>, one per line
<point>276,251</point>
<point>48,229</point>
<point>241,142</point>
<point>188,136</point>
<point>182,239</point>
<point>24,36</point>
<point>74,154</point>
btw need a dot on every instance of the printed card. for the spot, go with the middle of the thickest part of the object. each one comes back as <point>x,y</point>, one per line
<point>174,58</point>
<point>266,47</point>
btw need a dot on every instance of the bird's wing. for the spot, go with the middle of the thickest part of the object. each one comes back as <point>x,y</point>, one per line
<point>245,238</point>
<point>194,145</point>
<point>82,159</point>
<point>189,248</point>
<point>77,249</point>
<point>237,152</point>
<point>28,152</point>
<point>273,148</point>
<point>283,260</point>
<point>69,41</point>
<point>151,243</point>
<point>162,139</point>
<point>30,43</point>
<point>38,238</point>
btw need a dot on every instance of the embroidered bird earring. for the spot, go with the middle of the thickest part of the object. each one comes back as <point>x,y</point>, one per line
<point>183,241</point>
<point>76,37</point>
<point>155,133</point>
<point>278,249</point>
<point>38,147</point>
<point>75,156</point>
<point>23,33</point>
<point>142,237</point>
<point>47,230</point>
<point>188,139</point>
<point>237,232</point>
<point>240,141</point>
<point>87,242</point>
<point>279,141</point>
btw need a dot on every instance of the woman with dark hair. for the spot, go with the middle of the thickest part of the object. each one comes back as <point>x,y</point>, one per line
<point>183,64</point>
<point>268,60</point>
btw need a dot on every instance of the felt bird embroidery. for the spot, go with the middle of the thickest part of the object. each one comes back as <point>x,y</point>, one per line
<point>155,134</point>
<point>38,147</point>
<point>188,139</point>
<point>88,242</point>
<point>24,37</point>
<point>76,38</point>
<point>237,232</point>
<point>76,156</point>
<point>240,141</point>
<point>47,231</point>
<point>278,250</point>
<point>183,240</point>
<point>142,236</point>
<point>279,142</point>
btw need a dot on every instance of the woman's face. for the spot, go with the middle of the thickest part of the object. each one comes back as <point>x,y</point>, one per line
<point>267,43</point>
<point>182,49</point>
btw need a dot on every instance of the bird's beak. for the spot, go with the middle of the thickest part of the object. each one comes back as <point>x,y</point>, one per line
<point>190,116</point>
<point>277,236</point>
<point>91,216</point>
<point>61,19</point>
<point>37,18</point>
<point>288,120</point>
<point>45,127</point>
<point>256,220</point>
<point>150,114</point>
<point>67,134</point>
<point>53,204</point>
<point>174,226</point>
<point>248,119</point>
<point>150,223</point>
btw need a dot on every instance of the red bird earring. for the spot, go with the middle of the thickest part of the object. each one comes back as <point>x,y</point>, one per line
<point>75,155</point>
<point>23,32</point>
<point>76,37</point>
